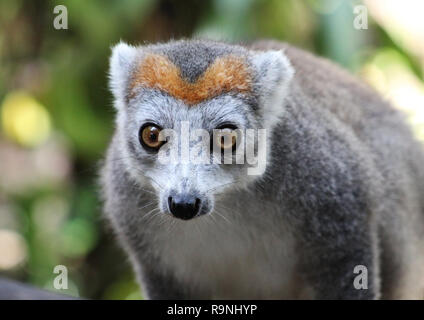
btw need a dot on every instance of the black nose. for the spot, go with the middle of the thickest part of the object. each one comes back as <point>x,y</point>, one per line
<point>184,207</point>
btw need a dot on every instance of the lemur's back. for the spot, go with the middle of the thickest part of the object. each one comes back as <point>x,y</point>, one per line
<point>342,189</point>
<point>330,87</point>
<point>372,119</point>
<point>386,142</point>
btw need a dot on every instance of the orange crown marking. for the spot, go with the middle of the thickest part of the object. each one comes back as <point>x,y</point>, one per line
<point>229,73</point>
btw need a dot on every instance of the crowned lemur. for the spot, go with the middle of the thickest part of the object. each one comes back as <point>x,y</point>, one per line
<point>341,195</point>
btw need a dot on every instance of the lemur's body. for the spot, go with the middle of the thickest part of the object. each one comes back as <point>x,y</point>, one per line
<point>343,186</point>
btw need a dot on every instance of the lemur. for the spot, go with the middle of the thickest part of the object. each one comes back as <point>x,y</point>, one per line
<point>343,183</point>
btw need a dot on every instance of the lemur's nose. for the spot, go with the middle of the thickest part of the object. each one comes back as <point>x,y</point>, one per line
<point>184,206</point>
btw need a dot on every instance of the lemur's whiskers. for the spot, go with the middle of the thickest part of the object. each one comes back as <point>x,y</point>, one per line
<point>148,191</point>
<point>149,204</point>
<point>156,183</point>
<point>149,216</point>
<point>221,215</point>
<point>222,186</point>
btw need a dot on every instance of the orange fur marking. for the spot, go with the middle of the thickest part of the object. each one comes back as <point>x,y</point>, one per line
<point>229,73</point>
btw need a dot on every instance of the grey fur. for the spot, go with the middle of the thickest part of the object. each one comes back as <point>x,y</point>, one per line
<point>343,185</point>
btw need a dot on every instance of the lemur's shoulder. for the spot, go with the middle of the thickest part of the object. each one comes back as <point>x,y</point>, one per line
<point>317,73</point>
<point>305,63</point>
<point>329,86</point>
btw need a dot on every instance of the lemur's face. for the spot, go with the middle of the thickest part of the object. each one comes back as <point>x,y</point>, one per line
<point>183,112</point>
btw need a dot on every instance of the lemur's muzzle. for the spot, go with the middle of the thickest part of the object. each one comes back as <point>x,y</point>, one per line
<point>184,206</point>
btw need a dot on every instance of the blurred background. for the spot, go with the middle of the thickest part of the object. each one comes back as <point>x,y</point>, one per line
<point>56,113</point>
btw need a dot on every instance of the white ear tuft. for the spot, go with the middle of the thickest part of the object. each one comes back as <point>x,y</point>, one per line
<point>273,70</point>
<point>121,63</point>
<point>274,74</point>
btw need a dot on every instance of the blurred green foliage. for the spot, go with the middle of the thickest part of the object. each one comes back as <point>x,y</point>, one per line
<point>48,191</point>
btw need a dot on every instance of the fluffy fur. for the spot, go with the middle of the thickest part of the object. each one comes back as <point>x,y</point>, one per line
<point>226,74</point>
<point>343,184</point>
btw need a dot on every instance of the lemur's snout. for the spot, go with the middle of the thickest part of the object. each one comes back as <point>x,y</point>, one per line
<point>184,206</point>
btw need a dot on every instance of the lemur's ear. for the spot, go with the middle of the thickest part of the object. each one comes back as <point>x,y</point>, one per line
<point>121,63</point>
<point>273,75</point>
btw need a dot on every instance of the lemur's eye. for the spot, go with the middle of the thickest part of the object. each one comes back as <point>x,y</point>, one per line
<point>226,137</point>
<point>149,136</point>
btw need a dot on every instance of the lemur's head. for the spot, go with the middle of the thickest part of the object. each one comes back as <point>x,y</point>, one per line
<point>190,85</point>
